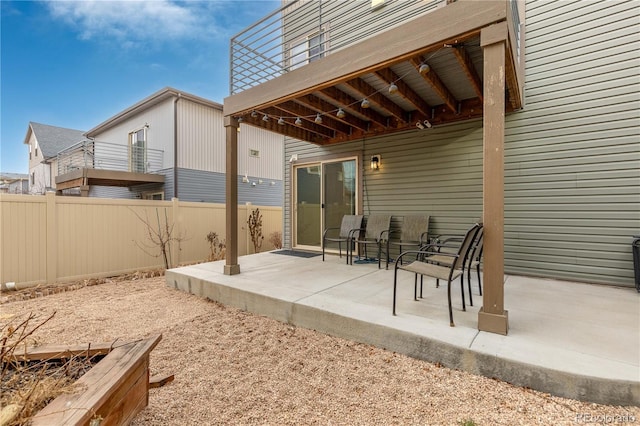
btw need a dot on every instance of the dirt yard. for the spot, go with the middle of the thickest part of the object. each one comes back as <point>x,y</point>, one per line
<point>233,367</point>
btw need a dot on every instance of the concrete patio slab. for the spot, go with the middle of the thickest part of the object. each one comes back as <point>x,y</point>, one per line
<point>575,340</point>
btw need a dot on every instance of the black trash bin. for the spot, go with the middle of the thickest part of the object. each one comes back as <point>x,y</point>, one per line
<point>635,246</point>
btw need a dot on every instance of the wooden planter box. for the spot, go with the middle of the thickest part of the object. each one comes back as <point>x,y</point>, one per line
<point>111,393</point>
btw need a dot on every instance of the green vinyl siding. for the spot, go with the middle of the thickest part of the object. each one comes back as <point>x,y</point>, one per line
<point>572,155</point>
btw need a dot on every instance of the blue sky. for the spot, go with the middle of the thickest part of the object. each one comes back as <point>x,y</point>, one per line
<point>75,64</point>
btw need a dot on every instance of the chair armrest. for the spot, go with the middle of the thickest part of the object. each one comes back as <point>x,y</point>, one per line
<point>324,234</point>
<point>420,254</point>
<point>353,231</point>
<point>381,238</point>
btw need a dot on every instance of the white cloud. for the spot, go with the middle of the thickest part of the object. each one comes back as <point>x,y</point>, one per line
<point>134,22</point>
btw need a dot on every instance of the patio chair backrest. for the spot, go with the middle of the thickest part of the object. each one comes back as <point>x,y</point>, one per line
<point>467,241</point>
<point>376,223</point>
<point>350,222</point>
<point>476,251</point>
<point>413,227</point>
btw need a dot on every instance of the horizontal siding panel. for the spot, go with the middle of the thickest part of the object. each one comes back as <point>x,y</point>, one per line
<point>572,155</point>
<point>551,166</point>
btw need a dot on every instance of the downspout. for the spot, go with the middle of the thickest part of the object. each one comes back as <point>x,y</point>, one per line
<point>175,146</point>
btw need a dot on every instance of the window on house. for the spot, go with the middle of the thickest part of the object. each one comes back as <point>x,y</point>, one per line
<point>254,153</point>
<point>309,49</point>
<point>36,151</point>
<point>33,178</point>
<point>138,151</point>
<point>153,196</point>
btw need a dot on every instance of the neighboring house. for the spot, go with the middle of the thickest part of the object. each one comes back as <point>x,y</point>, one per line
<point>14,183</point>
<point>172,144</point>
<point>45,142</point>
<point>436,91</point>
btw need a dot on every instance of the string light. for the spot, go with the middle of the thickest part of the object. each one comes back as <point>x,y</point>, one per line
<point>423,69</point>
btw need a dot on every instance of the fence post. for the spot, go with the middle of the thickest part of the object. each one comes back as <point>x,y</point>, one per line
<point>177,231</point>
<point>52,237</point>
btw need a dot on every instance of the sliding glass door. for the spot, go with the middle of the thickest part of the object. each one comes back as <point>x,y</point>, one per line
<point>323,193</point>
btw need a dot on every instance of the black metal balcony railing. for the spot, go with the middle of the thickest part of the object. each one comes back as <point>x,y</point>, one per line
<point>109,156</point>
<point>302,31</point>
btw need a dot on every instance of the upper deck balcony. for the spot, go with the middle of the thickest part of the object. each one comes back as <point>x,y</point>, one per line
<point>107,164</point>
<point>305,69</point>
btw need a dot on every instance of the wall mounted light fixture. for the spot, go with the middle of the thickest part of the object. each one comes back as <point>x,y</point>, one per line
<point>375,162</point>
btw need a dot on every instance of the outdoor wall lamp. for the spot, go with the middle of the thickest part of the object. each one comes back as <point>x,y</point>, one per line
<point>375,162</point>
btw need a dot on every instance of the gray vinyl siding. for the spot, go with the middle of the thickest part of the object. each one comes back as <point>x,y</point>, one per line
<point>572,156</point>
<point>209,187</point>
<point>572,159</point>
<point>112,192</point>
<point>437,172</point>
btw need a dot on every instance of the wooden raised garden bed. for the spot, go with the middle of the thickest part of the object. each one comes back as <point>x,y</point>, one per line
<point>112,392</point>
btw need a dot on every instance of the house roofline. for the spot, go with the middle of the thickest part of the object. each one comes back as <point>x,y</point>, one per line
<point>159,96</point>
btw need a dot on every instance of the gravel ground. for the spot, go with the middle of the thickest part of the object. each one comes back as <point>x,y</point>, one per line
<point>233,367</point>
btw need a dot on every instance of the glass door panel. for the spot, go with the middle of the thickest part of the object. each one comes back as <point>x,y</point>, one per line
<point>339,192</point>
<point>324,192</point>
<point>308,206</point>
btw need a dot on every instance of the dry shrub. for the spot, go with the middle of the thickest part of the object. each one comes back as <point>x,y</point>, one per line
<point>217,248</point>
<point>27,387</point>
<point>275,238</point>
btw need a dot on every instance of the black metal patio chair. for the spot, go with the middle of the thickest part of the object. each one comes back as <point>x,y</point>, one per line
<point>349,225</point>
<point>424,266</point>
<point>376,232</point>
<point>414,232</point>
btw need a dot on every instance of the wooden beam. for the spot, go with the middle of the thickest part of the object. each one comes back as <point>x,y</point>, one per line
<point>467,66</point>
<point>320,104</point>
<point>437,85</point>
<point>388,76</point>
<point>353,104</point>
<point>70,184</point>
<point>313,133</point>
<point>308,111</point>
<point>369,92</point>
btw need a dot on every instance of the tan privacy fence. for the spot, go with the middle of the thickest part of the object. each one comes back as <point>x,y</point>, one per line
<point>54,238</point>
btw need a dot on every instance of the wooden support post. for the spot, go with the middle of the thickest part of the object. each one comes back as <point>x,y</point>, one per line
<point>492,316</point>
<point>231,266</point>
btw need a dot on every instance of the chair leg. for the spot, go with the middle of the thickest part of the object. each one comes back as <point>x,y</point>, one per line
<point>421,282</point>
<point>464,308</point>
<point>340,249</point>
<point>469,285</point>
<point>395,284</point>
<point>415,287</point>
<point>450,308</point>
<point>479,283</point>
<point>323,250</point>
<point>379,254</point>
